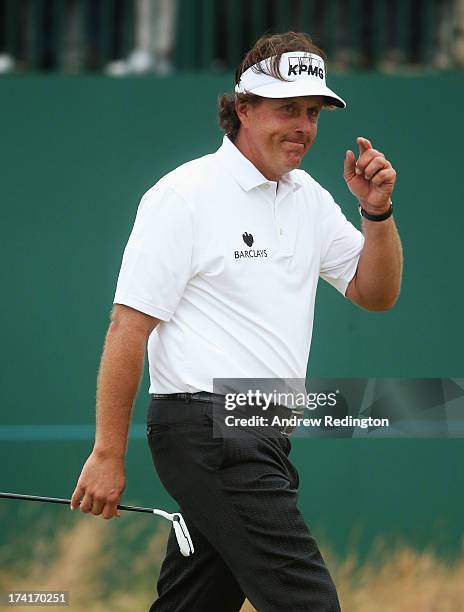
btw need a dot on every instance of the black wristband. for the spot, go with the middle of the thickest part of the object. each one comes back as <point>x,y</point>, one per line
<point>381,217</point>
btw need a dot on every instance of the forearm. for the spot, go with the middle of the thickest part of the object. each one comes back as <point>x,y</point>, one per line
<point>371,179</point>
<point>118,381</point>
<point>378,277</point>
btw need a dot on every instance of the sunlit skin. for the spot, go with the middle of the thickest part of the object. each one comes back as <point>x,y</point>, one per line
<point>276,133</point>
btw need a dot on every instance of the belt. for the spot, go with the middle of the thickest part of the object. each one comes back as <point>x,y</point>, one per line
<point>201,396</point>
<point>205,396</point>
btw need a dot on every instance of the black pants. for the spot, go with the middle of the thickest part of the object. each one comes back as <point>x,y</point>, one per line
<point>238,497</point>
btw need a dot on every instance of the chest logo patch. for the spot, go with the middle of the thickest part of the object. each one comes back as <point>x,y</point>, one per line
<point>249,253</point>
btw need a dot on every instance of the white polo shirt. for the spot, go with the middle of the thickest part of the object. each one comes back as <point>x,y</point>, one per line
<point>229,262</point>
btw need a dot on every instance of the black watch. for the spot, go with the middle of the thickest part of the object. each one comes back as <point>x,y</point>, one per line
<point>381,217</point>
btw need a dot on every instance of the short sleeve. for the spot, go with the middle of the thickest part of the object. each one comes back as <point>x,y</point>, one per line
<point>157,260</point>
<point>341,249</point>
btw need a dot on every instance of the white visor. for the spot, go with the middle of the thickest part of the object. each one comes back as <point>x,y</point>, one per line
<point>304,75</point>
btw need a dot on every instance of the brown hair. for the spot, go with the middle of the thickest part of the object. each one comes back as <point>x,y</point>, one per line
<point>269,45</point>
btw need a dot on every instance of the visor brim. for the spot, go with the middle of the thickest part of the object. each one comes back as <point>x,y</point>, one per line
<point>293,89</point>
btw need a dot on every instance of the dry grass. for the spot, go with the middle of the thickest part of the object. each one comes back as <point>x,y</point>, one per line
<point>91,555</point>
<point>405,580</point>
<point>398,581</point>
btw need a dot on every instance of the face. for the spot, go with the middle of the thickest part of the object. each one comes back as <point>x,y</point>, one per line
<point>276,133</point>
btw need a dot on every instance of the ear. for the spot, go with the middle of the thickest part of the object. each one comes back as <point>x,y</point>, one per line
<point>243,110</point>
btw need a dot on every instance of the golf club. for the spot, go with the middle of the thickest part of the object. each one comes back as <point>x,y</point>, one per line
<point>180,528</point>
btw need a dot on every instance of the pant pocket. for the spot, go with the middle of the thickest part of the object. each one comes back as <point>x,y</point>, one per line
<point>154,428</point>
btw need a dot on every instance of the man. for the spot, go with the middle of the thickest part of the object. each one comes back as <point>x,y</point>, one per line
<point>219,275</point>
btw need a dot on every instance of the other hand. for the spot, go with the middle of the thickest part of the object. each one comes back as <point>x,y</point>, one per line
<point>100,485</point>
<point>371,178</point>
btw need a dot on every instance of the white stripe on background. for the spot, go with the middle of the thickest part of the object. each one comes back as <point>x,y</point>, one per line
<point>35,433</point>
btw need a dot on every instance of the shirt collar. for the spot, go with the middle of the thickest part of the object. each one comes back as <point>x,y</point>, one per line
<point>245,173</point>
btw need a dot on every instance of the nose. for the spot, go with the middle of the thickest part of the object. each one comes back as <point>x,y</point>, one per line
<point>304,125</point>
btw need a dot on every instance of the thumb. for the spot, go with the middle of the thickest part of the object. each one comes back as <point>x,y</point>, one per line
<point>349,165</point>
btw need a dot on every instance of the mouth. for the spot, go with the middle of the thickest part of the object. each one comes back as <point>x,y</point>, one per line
<point>296,144</point>
<point>294,148</point>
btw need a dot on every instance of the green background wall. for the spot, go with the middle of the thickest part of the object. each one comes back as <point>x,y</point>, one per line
<point>76,155</point>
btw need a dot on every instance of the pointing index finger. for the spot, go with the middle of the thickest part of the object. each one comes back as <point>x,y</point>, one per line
<point>363,144</point>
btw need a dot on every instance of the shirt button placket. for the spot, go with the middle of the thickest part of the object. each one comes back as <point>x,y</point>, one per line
<point>278,224</point>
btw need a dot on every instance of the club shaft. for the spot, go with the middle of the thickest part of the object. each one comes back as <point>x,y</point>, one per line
<point>58,500</point>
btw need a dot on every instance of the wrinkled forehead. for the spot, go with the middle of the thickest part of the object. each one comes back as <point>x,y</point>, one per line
<point>304,102</point>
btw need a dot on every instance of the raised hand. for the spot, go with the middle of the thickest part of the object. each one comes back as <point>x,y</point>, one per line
<point>371,178</point>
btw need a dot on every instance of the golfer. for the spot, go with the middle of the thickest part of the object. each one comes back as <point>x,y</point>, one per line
<point>219,276</point>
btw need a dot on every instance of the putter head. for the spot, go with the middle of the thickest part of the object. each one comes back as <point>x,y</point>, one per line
<point>182,534</point>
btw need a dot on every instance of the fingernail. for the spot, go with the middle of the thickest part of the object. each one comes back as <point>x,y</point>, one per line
<point>358,171</point>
